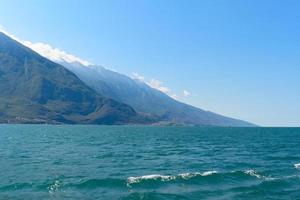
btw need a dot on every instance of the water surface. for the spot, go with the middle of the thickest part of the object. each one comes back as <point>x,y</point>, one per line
<point>136,162</point>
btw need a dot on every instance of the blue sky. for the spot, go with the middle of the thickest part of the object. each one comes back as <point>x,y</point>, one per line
<point>240,58</point>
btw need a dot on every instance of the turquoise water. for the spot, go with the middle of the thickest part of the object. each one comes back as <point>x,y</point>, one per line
<point>123,162</point>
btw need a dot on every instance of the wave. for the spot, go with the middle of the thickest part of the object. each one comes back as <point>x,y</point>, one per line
<point>297,166</point>
<point>253,173</point>
<point>160,177</point>
<point>155,180</point>
<point>54,187</point>
<point>195,175</point>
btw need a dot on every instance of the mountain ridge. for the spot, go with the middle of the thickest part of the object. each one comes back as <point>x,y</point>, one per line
<point>146,99</point>
<point>36,90</point>
<point>53,89</point>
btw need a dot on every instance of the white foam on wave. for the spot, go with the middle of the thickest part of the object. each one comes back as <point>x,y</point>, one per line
<point>208,173</point>
<point>297,166</point>
<point>137,179</point>
<point>54,187</point>
<point>253,173</point>
<point>191,175</point>
<point>185,176</point>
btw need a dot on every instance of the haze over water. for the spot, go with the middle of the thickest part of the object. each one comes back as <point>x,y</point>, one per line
<point>137,162</point>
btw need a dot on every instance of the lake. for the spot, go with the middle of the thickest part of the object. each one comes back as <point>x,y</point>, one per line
<point>140,162</point>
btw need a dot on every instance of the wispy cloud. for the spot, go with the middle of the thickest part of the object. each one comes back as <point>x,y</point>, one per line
<point>138,76</point>
<point>157,84</point>
<point>48,51</point>
<point>58,55</point>
<point>186,93</point>
<point>54,54</point>
<point>174,96</point>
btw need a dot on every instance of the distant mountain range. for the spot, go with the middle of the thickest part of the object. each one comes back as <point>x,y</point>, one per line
<point>145,99</point>
<point>36,90</point>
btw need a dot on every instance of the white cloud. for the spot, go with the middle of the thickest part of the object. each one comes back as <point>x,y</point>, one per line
<point>58,55</point>
<point>138,76</point>
<point>48,51</point>
<point>156,84</point>
<point>186,93</point>
<point>54,54</point>
<point>174,96</point>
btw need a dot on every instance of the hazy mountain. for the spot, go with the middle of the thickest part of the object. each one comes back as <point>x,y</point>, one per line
<point>36,90</point>
<point>146,99</point>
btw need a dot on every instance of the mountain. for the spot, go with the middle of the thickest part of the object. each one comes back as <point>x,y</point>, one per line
<point>36,90</point>
<point>146,99</point>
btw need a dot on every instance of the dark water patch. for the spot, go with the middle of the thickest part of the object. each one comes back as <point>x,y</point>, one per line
<point>153,195</point>
<point>16,186</point>
<point>96,183</point>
